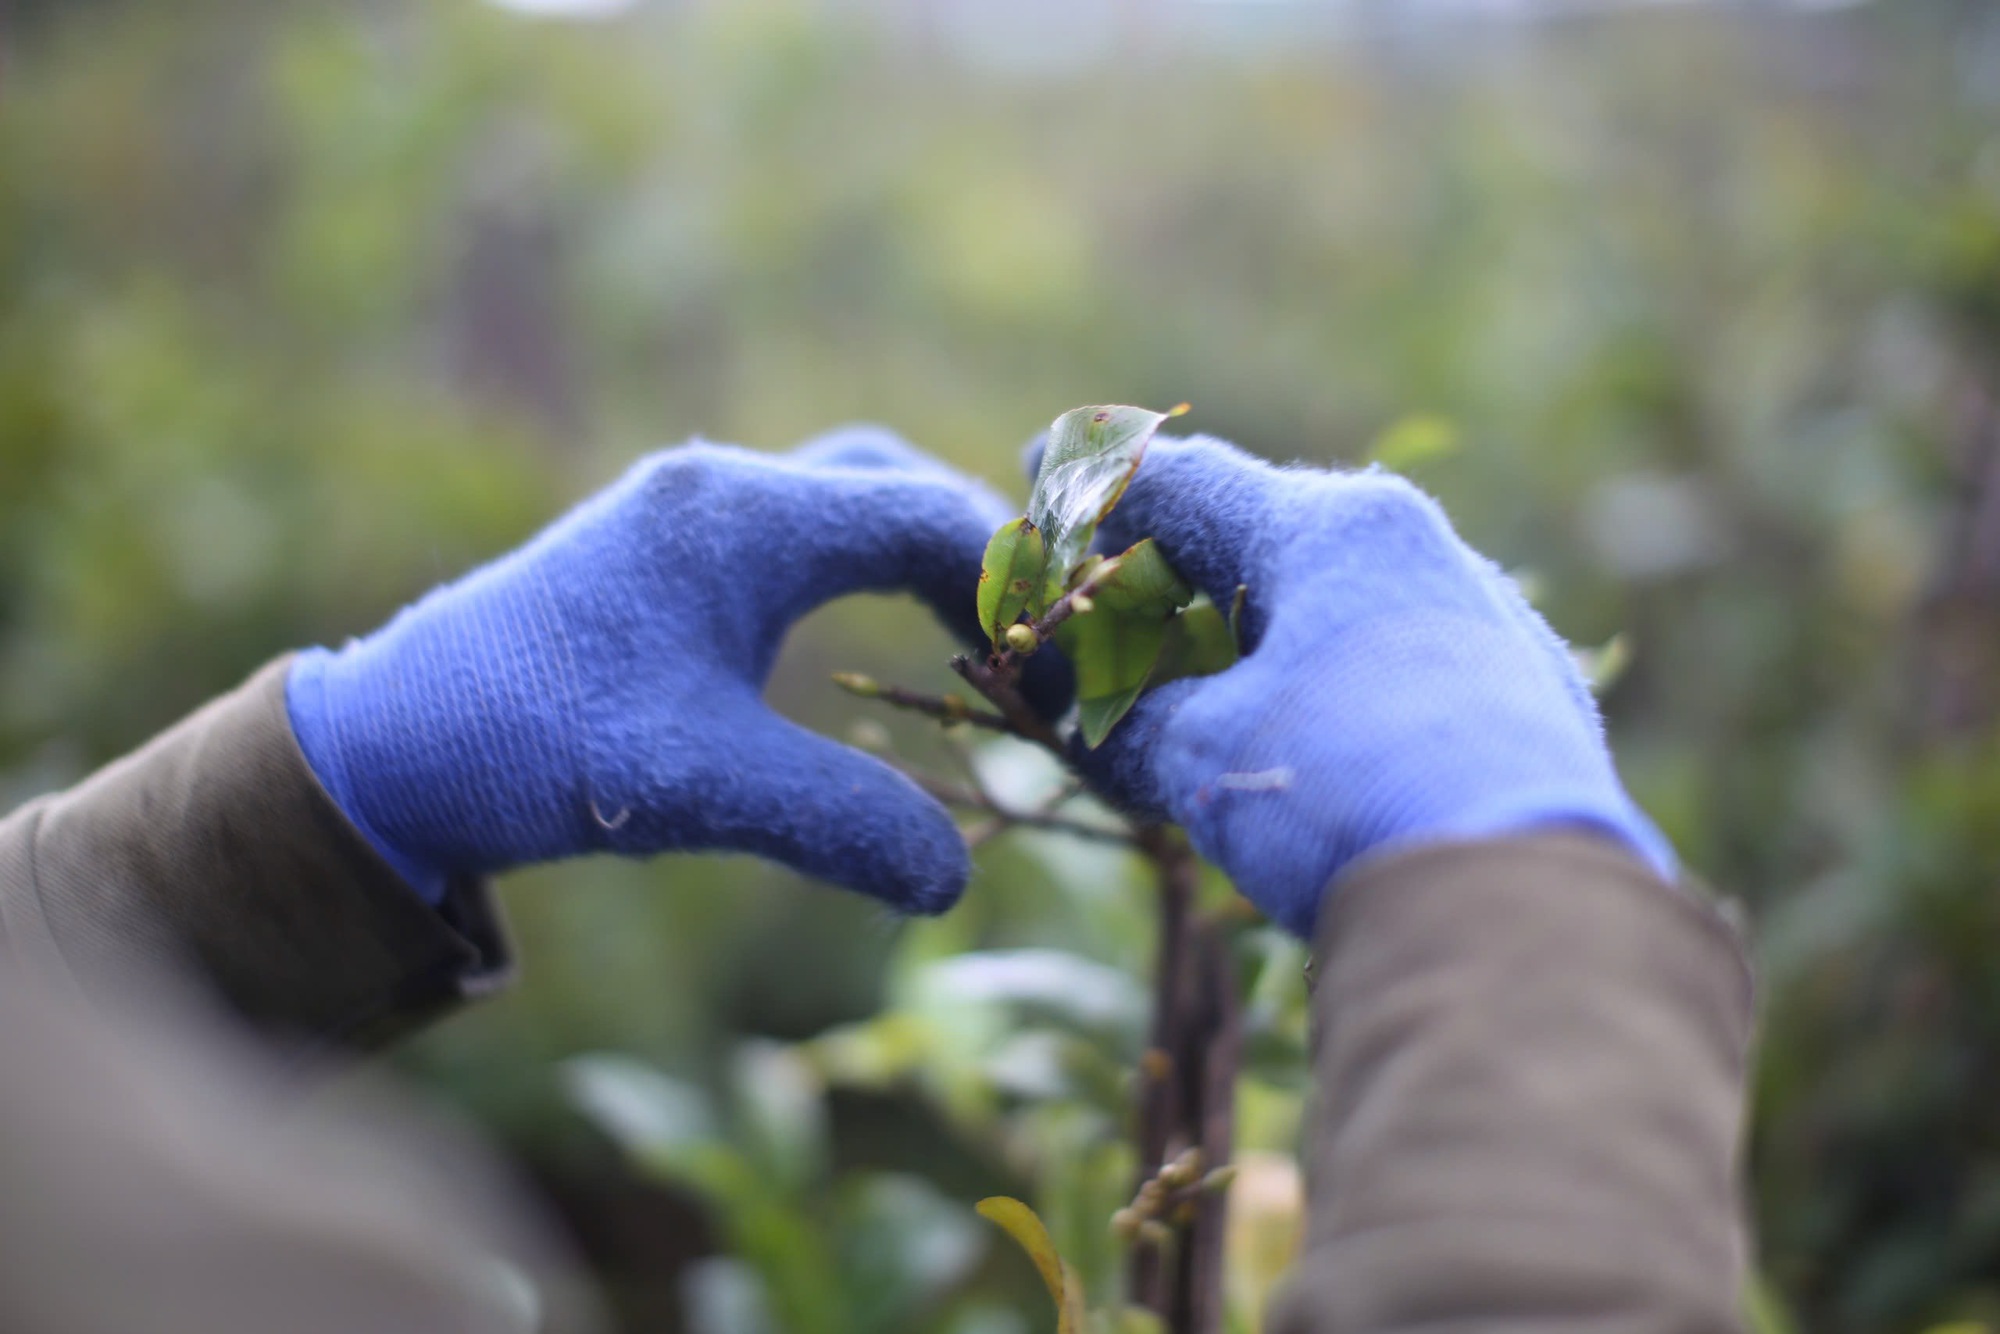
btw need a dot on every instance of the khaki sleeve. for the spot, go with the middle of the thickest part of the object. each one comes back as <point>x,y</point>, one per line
<point>213,852</point>
<point>1530,1060</point>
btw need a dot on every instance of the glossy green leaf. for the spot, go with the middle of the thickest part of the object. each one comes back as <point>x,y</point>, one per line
<point>1091,456</point>
<point>1021,1223</point>
<point>1010,576</point>
<point>1141,583</point>
<point>1114,653</point>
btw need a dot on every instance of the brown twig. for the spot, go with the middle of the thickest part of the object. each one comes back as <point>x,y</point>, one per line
<point>1221,1036</point>
<point>997,685</point>
<point>945,708</point>
<point>1005,817</point>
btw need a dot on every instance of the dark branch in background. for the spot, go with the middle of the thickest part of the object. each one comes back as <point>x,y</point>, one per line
<point>1187,1078</point>
<point>1185,1118</point>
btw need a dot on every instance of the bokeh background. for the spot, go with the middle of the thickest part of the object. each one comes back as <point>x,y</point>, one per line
<point>1690,311</point>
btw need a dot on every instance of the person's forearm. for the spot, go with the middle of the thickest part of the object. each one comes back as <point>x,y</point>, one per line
<point>1530,1062</point>
<point>214,852</point>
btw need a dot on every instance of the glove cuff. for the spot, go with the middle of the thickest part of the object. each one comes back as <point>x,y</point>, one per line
<point>316,725</point>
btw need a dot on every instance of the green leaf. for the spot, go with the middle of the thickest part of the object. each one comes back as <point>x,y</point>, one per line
<point>1010,576</point>
<point>1141,583</point>
<point>1079,991</point>
<point>1603,665</point>
<point>1096,717</point>
<point>645,1111</point>
<point>1091,456</point>
<point>1114,653</point>
<point>1201,641</point>
<point>1021,1223</point>
<point>780,1110</point>
<point>1416,439</point>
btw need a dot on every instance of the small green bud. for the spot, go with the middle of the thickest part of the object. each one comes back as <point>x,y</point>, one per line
<point>856,684</point>
<point>1023,639</point>
<point>1082,604</point>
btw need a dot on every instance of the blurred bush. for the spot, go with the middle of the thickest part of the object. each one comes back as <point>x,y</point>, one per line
<point>1694,313</point>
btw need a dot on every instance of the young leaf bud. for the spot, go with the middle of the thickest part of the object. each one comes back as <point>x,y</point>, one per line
<point>1182,1171</point>
<point>1220,1178</point>
<point>856,684</point>
<point>1082,604</point>
<point>1023,639</point>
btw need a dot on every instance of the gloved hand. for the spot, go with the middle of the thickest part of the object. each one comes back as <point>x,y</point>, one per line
<point>600,688</point>
<point>1396,688</point>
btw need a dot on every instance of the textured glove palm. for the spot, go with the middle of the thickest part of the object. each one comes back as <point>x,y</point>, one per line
<point>1396,690</point>
<point>600,688</point>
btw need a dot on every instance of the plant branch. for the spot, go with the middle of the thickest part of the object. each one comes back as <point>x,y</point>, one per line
<point>1008,661</point>
<point>945,708</point>
<point>997,685</point>
<point>1005,817</point>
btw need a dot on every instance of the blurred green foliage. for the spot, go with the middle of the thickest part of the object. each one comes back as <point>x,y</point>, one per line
<point>1694,313</point>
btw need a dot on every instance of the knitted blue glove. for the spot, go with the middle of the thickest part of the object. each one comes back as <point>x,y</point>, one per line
<point>1396,688</point>
<point>600,688</point>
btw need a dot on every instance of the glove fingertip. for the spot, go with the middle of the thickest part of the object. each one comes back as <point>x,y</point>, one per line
<point>912,857</point>
<point>863,445</point>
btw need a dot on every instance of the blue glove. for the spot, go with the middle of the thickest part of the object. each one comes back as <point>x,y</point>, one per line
<point>600,688</point>
<point>1396,688</point>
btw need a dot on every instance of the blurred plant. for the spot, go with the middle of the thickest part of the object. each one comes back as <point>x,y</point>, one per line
<point>304,308</point>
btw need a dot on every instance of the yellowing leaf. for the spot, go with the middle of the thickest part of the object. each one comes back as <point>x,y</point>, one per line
<point>1010,576</point>
<point>1021,1223</point>
<point>1091,456</point>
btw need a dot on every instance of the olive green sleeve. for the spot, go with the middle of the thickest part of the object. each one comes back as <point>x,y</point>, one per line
<point>214,852</point>
<point>1530,1061</point>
